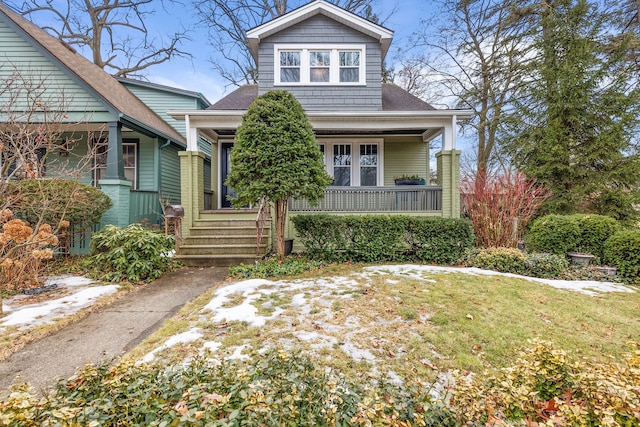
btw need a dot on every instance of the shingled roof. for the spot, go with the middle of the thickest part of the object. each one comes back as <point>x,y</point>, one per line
<point>117,98</point>
<point>394,98</point>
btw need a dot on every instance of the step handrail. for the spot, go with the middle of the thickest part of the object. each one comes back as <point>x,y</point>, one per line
<point>261,219</point>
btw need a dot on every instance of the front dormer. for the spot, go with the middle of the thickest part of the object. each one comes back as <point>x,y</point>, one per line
<point>330,59</point>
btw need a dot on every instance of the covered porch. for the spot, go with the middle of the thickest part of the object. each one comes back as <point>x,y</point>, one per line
<point>364,152</point>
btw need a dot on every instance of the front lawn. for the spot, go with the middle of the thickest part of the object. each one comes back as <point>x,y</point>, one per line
<point>373,345</point>
<point>401,321</point>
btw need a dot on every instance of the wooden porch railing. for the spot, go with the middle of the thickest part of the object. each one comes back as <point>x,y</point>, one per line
<point>410,198</point>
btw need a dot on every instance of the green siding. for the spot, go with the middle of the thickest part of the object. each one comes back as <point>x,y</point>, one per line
<point>17,54</point>
<point>405,156</point>
<point>147,174</point>
<point>171,174</point>
<point>204,146</point>
<point>58,166</point>
<point>161,101</point>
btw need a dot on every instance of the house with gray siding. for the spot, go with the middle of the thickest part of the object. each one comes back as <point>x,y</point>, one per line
<point>125,122</point>
<point>370,132</point>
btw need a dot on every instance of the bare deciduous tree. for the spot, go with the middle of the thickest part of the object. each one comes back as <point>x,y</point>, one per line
<point>114,31</point>
<point>228,21</point>
<point>35,126</point>
<point>477,57</point>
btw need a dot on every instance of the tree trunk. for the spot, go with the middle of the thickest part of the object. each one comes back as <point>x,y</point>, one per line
<point>281,220</point>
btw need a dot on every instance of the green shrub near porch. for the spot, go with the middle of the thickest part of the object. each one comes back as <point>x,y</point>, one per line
<point>372,238</point>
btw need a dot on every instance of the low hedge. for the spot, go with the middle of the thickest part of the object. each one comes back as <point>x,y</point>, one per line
<point>505,260</point>
<point>595,230</point>
<point>622,250</point>
<point>555,234</point>
<point>373,238</point>
<point>510,260</point>
<point>560,234</point>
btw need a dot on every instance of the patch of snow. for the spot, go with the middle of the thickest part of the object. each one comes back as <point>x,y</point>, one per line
<point>69,281</point>
<point>184,337</point>
<point>316,339</point>
<point>237,354</point>
<point>589,287</point>
<point>356,353</point>
<point>47,311</point>
<point>212,346</point>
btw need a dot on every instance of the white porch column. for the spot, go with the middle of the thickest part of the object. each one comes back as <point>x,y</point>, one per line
<point>449,135</point>
<point>191,178</point>
<point>192,135</point>
<point>449,171</point>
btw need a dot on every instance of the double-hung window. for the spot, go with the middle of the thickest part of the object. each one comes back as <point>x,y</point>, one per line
<point>319,65</point>
<point>349,66</point>
<point>289,66</point>
<point>353,162</point>
<point>129,159</point>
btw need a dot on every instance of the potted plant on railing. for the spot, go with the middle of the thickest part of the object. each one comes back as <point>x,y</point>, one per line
<point>408,180</point>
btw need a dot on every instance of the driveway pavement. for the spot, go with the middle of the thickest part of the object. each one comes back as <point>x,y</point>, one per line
<point>108,332</point>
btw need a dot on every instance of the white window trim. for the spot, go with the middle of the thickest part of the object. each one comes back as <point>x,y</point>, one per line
<point>334,69</point>
<point>355,156</point>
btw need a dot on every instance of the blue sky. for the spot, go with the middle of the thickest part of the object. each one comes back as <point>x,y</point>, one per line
<point>198,76</point>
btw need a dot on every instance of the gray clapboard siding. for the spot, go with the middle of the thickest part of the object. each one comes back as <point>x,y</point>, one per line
<point>323,30</point>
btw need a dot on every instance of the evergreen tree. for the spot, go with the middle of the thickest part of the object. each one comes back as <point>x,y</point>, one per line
<point>573,126</point>
<point>275,156</point>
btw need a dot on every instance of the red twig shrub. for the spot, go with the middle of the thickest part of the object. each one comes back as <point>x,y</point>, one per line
<point>501,206</point>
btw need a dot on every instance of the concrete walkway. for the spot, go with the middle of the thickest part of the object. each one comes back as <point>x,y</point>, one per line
<point>108,332</point>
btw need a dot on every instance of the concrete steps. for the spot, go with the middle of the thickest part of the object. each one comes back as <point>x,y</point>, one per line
<point>222,242</point>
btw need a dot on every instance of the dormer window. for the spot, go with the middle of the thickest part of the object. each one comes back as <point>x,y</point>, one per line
<point>319,65</point>
<point>290,66</point>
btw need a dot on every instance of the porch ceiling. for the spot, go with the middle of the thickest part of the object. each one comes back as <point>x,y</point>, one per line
<point>429,123</point>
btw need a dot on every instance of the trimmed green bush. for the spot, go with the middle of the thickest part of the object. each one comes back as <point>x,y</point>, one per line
<point>54,200</point>
<point>622,251</point>
<point>373,238</point>
<point>131,254</point>
<point>510,260</point>
<point>559,234</point>
<point>555,234</point>
<point>594,231</point>
<point>439,240</point>
<point>546,266</point>
<point>506,260</point>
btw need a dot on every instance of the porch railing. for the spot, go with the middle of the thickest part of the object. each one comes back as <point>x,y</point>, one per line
<point>410,198</point>
<point>144,205</point>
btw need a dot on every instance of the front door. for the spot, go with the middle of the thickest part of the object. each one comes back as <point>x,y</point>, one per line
<point>225,167</point>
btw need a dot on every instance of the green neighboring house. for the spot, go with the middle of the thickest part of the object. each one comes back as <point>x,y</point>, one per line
<point>370,132</point>
<point>137,144</point>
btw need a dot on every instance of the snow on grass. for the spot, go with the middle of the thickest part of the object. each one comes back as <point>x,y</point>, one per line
<point>184,337</point>
<point>84,295</point>
<point>588,287</point>
<point>310,311</point>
